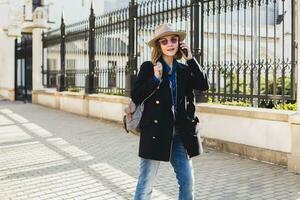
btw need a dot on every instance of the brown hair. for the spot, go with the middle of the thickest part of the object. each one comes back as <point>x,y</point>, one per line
<point>157,53</point>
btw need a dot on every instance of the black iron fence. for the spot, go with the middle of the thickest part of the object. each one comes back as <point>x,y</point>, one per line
<point>247,48</point>
<point>90,55</point>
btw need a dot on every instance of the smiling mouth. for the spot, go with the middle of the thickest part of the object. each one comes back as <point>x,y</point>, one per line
<point>171,49</point>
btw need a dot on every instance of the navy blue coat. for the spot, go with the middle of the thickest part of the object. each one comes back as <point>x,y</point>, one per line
<point>157,122</point>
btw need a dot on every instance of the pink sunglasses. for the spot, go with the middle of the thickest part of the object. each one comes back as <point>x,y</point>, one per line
<point>164,41</point>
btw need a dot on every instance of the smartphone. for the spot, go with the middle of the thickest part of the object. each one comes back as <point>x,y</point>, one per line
<point>184,51</point>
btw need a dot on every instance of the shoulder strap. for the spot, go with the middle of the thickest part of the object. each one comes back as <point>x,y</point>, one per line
<point>151,94</point>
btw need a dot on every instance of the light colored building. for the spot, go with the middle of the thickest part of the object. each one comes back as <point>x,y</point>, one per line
<point>16,17</point>
<point>237,47</point>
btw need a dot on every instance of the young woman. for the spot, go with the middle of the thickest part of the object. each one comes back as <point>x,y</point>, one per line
<point>168,122</point>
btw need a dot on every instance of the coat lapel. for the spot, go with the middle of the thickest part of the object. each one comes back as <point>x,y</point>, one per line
<point>180,83</point>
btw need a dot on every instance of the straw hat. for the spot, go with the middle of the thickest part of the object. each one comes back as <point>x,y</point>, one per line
<point>165,30</point>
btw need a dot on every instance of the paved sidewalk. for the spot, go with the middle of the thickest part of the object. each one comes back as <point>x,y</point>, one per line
<point>50,154</point>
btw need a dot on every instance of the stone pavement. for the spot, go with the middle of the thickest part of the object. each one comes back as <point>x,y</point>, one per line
<point>50,154</point>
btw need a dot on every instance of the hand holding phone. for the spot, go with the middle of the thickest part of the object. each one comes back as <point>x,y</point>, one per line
<point>184,49</point>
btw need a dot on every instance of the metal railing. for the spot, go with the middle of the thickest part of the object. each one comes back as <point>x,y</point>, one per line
<point>247,48</point>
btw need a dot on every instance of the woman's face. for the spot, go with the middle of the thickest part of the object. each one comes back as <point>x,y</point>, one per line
<point>169,45</point>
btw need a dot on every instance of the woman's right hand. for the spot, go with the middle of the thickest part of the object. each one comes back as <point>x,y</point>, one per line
<point>158,70</point>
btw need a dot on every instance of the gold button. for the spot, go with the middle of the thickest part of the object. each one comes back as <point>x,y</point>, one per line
<point>157,102</point>
<point>155,121</point>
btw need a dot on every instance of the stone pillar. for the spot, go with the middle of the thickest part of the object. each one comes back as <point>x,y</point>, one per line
<point>7,62</point>
<point>297,17</point>
<point>37,48</point>
<point>294,157</point>
<point>39,25</point>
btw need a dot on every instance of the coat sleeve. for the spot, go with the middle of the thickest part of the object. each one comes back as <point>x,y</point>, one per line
<point>198,76</point>
<point>144,84</point>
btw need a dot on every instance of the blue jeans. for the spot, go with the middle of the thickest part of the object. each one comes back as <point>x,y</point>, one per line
<point>183,169</point>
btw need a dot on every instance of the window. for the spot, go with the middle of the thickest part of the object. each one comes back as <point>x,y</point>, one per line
<point>112,74</point>
<point>35,4</point>
<point>70,71</point>
<point>70,63</point>
<point>51,63</point>
<point>52,73</point>
<point>97,64</point>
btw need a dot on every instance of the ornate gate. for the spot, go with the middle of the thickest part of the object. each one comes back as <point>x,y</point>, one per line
<point>23,67</point>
